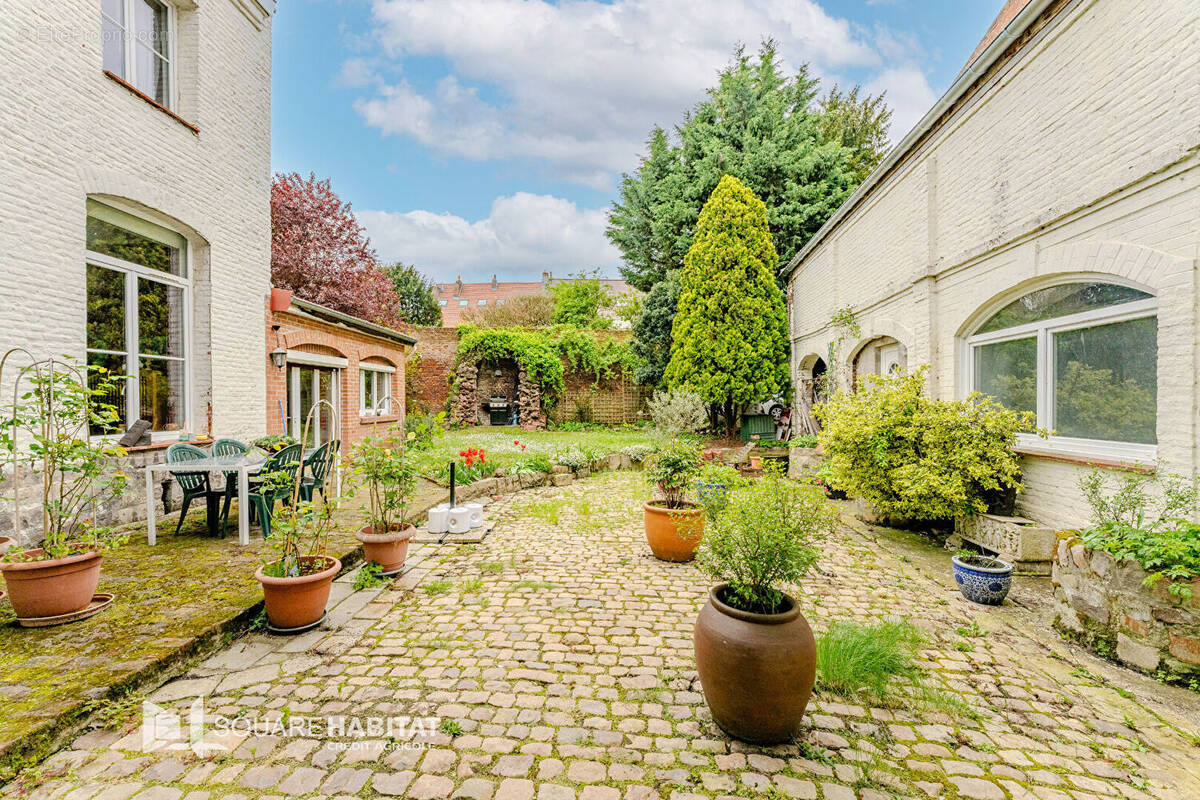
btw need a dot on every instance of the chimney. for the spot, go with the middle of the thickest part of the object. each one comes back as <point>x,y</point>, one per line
<point>458,286</point>
<point>546,277</point>
<point>495,283</point>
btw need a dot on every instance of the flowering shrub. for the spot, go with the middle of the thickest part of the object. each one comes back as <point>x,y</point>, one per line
<point>638,452</point>
<point>529,466</point>
<point>678,411</point>
<point>574,458</point>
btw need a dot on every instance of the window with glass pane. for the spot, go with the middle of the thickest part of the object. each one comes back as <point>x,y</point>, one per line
<point>113,364</point>
<point>124,236</point>
<point>160,387</point>
<point>1060,301</point>
<point>1007,371</point>
<point>136,45</point>
<point>1106,381</point>
<point>160,319</point>
<point>105,309</point>
<point>368,391</point>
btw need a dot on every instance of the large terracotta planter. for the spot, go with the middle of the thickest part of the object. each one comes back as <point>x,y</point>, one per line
<point>387,548</point>
<point>757,670</point>
<point>674,533</point>
<point>54,587</point>
<point>296,602</point>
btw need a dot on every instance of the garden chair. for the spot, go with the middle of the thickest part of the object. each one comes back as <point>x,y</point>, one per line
<point>193,484</point>
<point>228,447</point>
<point>262,499</point>
<point>318,466</point>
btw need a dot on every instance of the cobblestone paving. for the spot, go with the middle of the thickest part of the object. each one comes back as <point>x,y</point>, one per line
<point>557,656</point>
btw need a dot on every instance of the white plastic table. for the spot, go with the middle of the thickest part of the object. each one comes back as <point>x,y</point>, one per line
<point>244,465</point>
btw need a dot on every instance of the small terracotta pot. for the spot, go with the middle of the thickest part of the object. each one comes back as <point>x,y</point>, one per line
<point>757,670</point>
<point>295,602</point>
<point>387,548</point>
<point>755,462</point>
<point>54,587</point>
<point>674,533</point>
<point>6,544</point>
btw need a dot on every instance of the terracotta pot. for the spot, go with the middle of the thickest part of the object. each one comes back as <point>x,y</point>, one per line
<point>295,602</point>
<point>757,670</point>
<point>54,587</point>
<point>388,548</point>
<point>755,462</point>
<point>6,544</point>
<point>674,533</point>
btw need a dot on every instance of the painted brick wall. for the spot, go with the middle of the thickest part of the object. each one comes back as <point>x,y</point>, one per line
<point>70,132</point>
<point>1077,157</point>
<point>306,334</point>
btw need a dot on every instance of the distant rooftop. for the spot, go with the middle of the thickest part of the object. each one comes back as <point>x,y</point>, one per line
<point>455,298</point>
<point>1006,15</point>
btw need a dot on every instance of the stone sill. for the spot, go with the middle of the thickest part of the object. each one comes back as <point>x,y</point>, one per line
<point>1103,463</point>
<point>386,418</point>
<point>139,93</point>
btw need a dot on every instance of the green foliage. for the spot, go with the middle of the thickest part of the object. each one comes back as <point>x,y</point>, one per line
<point>1145,518</point>
<point>639,452</point>
<point>853,657</point>
<point>382,465</point>
<point>368,577</point>
<point>523,311</point>
<point>47,431</point>
<point>274,442</point>
<point>543,353</point>
<point>578,302</point>
<point>417,295</point>
<point>678,411</point>
<point>765,537</point>
<point>767,130</point>
<point>919,458</point>
<point>803,440</point>
<point>652,330</point>
<point>299,537</point>
<point>714,483</point>
<point>730,332</point>
<point>424,429</point>
<point>672,468</point>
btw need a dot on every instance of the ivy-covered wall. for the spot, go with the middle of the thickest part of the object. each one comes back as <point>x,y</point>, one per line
<point>582,374</point>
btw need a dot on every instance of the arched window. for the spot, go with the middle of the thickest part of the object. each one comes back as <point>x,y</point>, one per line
<point>1083,357</point>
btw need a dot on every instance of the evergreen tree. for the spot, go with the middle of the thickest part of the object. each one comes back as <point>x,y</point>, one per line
<point>652,330</point>
<point>729,337</point>
<point>768,130</point>
<point>417,294</point>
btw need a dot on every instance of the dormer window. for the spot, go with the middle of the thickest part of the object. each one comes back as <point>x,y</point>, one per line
<point>138,46</point>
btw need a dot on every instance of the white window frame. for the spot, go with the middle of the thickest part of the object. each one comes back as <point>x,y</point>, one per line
<point>131,272</point>
<point>378,374</point>
<point>129,49</point>
<point>1043,332</point>
<point>295,419</point>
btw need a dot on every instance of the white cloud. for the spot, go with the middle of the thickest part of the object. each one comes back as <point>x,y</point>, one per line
<point>522,235</point>
<point>908,94</point>
<point>578,84</point>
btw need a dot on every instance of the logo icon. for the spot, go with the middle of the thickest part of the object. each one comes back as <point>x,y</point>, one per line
<point>162,729</point>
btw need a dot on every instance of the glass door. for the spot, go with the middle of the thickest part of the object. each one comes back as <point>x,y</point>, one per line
<point>306,387</point>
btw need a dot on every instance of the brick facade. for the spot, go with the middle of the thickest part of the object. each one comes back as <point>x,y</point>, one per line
<point>303,329</point>
<point>432,366</point>
<point>1068,158</point>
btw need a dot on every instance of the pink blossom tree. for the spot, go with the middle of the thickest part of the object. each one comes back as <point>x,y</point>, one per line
<point>320,252</point>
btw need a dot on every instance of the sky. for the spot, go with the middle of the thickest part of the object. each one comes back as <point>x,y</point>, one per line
<point>481,137</point>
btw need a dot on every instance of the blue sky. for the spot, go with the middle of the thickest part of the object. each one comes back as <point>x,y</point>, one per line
<point>488,136</point>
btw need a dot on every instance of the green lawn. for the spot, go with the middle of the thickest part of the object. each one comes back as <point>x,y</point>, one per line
<point>500,451</point>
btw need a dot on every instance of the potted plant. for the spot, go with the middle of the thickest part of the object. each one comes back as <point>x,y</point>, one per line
<point>384,470</point>
<point>48,431</point>
<point>982,579</point>
<point>297,580</point>
<point>755,652</point>
<point>674,524</point>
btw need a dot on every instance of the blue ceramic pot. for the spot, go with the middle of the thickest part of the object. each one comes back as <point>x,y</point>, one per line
<point>983,579</point>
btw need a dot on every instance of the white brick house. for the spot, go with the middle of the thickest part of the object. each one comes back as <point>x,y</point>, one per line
<point>135,198</point>
<point>1036,237</point>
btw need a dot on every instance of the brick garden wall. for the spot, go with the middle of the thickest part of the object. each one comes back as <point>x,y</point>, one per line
<point>432,370</point>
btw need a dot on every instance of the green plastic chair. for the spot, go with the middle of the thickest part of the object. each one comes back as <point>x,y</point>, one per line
<point>228,447</point>
<point>318,466</point>
<point>263,500</point>
<point>193,484</point>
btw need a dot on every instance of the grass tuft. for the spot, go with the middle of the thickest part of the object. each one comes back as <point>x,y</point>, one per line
<point>852,658</point>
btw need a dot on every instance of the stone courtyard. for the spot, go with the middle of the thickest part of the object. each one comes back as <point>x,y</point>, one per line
<point>555,662</point>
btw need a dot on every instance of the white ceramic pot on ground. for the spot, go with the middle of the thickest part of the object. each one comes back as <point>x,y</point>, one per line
<point>476,510</point>
<point>460,519</point>
<point>439,518</point>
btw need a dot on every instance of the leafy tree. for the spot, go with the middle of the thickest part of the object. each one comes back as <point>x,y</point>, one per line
<point>729,338</point>
<point>417,295</point>
<point>524,311</point>
<point>861,124</point>
<point>320,252</point>
<point>763,128</point>
<point>578,302</point>
<point>652,330</point>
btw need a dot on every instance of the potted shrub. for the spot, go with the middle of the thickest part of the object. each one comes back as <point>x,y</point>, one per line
<point>48,431</point>
<point>297,580</point>
<point>982,579</point>
<point>674,524</point>
<point>384,470</point>
<point>755,652</point>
